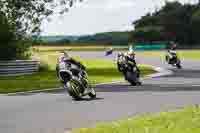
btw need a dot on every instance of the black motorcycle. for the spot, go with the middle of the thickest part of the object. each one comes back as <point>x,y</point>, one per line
<point>75,80</point>
<point>129,70</point>
<point>172,59</point>
<point>109,52</point>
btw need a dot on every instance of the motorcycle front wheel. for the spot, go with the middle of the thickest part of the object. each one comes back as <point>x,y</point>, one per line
<point>92,94</point>
<point>74,89</point>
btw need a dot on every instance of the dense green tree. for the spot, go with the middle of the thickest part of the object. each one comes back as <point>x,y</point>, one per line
<point>6,37</point>
<point>112,38</point>
<point>21,19</point>
<point>195,30</point>
<point>6,31</point>
<point>10,46</point>
<point>178,22</point>
<point>26,15</point>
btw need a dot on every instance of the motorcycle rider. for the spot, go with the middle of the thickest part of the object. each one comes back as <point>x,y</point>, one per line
<point>64,57</point>
<point>119,66</point>
<point>69,60</point>
<point>174,46</point>
<point>67,63</point>
<point>109,51</point>
<point>130,57</point>
<point>171,50</point>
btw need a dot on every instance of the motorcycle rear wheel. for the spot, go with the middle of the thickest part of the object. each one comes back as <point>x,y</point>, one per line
<point>132,78</point>
<point>178,66</point>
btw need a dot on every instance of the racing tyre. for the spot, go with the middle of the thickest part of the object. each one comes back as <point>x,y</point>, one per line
<point>139,83</point>
<point>132,78</point>
<point>92,94</point>
<point>74,89</point>
<point>178,66</point>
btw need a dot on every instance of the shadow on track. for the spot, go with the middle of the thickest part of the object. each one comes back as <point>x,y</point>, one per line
<point>89,99</point>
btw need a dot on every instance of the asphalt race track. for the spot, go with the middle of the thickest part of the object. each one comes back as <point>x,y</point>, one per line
<point>56,112</point>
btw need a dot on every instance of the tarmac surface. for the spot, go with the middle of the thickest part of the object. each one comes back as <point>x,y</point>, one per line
<point>56,112</point>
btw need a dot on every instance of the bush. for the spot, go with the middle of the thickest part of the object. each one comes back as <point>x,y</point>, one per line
<point>11,45</point>
<point>149,34</point>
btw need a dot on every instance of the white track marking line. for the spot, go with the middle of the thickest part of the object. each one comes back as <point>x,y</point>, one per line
<point>196,86</point>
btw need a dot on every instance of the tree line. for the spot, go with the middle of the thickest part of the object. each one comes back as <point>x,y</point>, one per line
<point>105,38</point>
<point>173,22</point>
<point>20,22</point>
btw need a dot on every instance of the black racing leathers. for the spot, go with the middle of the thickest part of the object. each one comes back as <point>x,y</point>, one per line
<point>71,61</point>
<point>120,67</point>
<point>132,59</point>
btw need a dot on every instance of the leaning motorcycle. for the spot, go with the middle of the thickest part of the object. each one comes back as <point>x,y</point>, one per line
<point>172,59</point>
<point>129,70</point>
<point>109,52</point>
<point>75,80</point>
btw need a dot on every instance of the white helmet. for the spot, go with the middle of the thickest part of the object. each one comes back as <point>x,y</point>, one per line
<point>63,56</point>
<point>131,54</point>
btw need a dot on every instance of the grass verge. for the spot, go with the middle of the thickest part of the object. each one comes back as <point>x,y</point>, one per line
<point>184,121</point>
<point>190,54</point>
<point>76,48</point>
<point>99,71</point>
<point>187,54</point>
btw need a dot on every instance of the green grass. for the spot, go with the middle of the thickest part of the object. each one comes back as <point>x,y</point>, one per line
<point>191,54</point>
<point>99,71</point>
<point>41,80</point>
<point>76,48</point>
<point>184,121</point>
<point>187,54</point>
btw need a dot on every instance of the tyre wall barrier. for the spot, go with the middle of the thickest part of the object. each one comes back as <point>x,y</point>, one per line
<point>150,47</point>
<point>18,67</point>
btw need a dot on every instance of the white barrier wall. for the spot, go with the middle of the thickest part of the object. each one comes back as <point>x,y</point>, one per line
<point>18,67</point>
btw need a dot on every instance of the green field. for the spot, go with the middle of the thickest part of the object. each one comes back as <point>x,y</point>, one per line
<point>99,71</point>
<point>187,54</point>
<point>76,48</point>
<point>184,121</point>
<point>190,54</point>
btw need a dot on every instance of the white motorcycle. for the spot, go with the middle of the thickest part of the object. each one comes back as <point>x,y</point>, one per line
<point>75,80</point>
<point>172,58</point>
<point>129,70</point>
